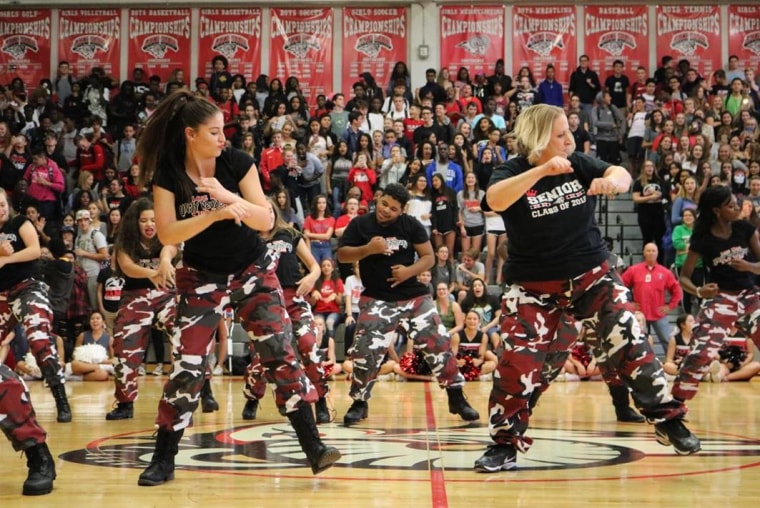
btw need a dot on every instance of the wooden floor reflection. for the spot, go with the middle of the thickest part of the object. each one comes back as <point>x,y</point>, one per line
<point>409,452</point>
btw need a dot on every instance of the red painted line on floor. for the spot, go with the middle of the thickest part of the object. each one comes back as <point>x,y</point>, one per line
<point>437,481</point>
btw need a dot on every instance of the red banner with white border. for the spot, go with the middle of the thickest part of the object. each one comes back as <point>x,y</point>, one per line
<point>690,32</point>
<point>545,35</point>
<point>159,41</point>
<point>471,37</point>
<point>234,34</point>
<point>90,38</point>
<point>25,45</point>
<point>374,39</point>
<point>744,34</point>
<point>616,33</point>
<point>302,46</point>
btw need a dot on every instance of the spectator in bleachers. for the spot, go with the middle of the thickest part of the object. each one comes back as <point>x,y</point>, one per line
<point>46,183</point>
<point>327,295</point>
<point>648,195</point>
<point>550,91</point>
<point>471,219</point>
<point>420,203</point>
<point>468,271</point>
<point>584,83</point>
<point>607,128</point>
<point>448,309</point>
<point>444,213</point>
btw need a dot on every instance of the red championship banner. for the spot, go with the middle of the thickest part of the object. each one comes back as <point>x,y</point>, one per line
<point>744,34</point>
<point>472,37</point>
<point>690,32</point>
<point>234,34</point>
<point>302,46</point>
<point>617,33</point>
<point>545,35</point>
<point>25,45</point>
<point>90,38</point>
<point>159,41</point>
<point>373,41</point>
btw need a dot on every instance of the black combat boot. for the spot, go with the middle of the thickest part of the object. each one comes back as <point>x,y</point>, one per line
<point>323,412</point>
<point>122,411</point>
<point>458,405</point>
<point>356,413</point>
<point>61,402</point>
<point>41,470</point>
<point>320,457</point>
<point>161,468</point>
<point>250,409</point>
<point>623,410</point>
<point>208,402</point>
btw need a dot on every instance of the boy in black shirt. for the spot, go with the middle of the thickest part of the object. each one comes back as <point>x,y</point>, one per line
<point>385,243</point>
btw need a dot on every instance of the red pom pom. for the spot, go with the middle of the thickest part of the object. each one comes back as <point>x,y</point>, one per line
<point>408,363</point>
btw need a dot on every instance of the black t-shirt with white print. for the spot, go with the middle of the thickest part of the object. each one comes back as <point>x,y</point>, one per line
<point>148,258</point>
<point>717,254</point>
<point>224,247</point>
<point>13,273</point>
<point>282,247</point>
<point>402,235</point>
<point>552,229</point>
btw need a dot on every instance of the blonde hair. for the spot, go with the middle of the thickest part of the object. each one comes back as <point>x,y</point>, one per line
<point>534,130</point>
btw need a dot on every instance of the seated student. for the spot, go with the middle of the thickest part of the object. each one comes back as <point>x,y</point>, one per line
<point>93,352</point>
<point>467,271</point>
<point>487,306</point>
<point>581,364</point>
<point>388,367</point>
<point>679,344</point>
<point>736,361</point>
<point>327,351</point>
<point>426,278</point>
<point>410,366</point>
<point>470,346</point>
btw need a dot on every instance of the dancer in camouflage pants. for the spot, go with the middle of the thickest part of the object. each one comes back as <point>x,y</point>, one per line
<point>531,314</point>
<point>17,418</point>
<point>141,310</point>
<point>376,329</point>
<point>257,299</point>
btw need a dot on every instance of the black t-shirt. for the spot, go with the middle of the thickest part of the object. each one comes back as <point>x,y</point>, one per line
<point>618,88</point>
<point>717,254</point>
<point>112,289</point>
<point>552,229</point>
<point>148,258</point>
<point>13,273</point>
<point>224,247</point>
<point>581,136</point>
<point>283,246</point>
<point>401,236</point>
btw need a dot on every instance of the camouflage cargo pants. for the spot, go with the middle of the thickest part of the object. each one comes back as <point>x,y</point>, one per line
<point>140,311</point>
<point>305,335</point>
<point>27,302</point>
<point>17,418</point>
<point>256,296</point>
<point>531,314</point>
<point>376,329</point>
<point>717,317</point>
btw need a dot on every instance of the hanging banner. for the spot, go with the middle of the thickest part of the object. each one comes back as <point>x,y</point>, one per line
<point>472,37</point>
<point>234,34</point>
<point>302,46</point>
<point>692,33</point>
<point>373,41</point>
<point>90,38</point>
<point>616,33</point>
<point>25,45</point>
<point>159,41</point>
<point>545,35</point>
<point>744,34</point>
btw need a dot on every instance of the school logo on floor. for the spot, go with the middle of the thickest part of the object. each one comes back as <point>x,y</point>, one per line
<point>273,446</point>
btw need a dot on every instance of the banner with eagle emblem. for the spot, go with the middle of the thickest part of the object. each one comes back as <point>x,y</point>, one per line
<point>90,38</point>
<point>236,35</point>
<point>159,41</point>
<point>744,34</point>
<point>25,45</point>
<point>616,33</point>
<point>691,32</point>
<point>472,37</point>
<point>302,46</point>
<point>374,39</point>
<point>545,35</point>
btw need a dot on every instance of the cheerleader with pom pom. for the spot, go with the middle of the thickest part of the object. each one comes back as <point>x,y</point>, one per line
<point>93,352</point>
<point>471,349</point>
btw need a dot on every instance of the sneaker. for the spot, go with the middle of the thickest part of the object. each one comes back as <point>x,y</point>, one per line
<point>486,377</point>
<point>674,432</point>
<point>159,370</point>
<point>218,371</point>
<point>386,377</point>
<point>141,371</point>
<point>498,457</point>
<point>713,375</point>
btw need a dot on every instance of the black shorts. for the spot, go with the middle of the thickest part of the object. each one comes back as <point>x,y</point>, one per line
<point>476,231</point>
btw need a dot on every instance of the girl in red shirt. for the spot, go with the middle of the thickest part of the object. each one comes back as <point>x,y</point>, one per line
<point>362,176</point>
<point>327,296</point>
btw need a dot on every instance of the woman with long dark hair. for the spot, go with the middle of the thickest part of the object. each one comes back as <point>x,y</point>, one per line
<point>729,248</point>
<point>647,196</point>
<point>147,299</point>
<point>207,196</point>
<point>445,213</point>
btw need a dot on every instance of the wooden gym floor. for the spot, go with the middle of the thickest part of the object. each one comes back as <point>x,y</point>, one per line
<point>409,452</point>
